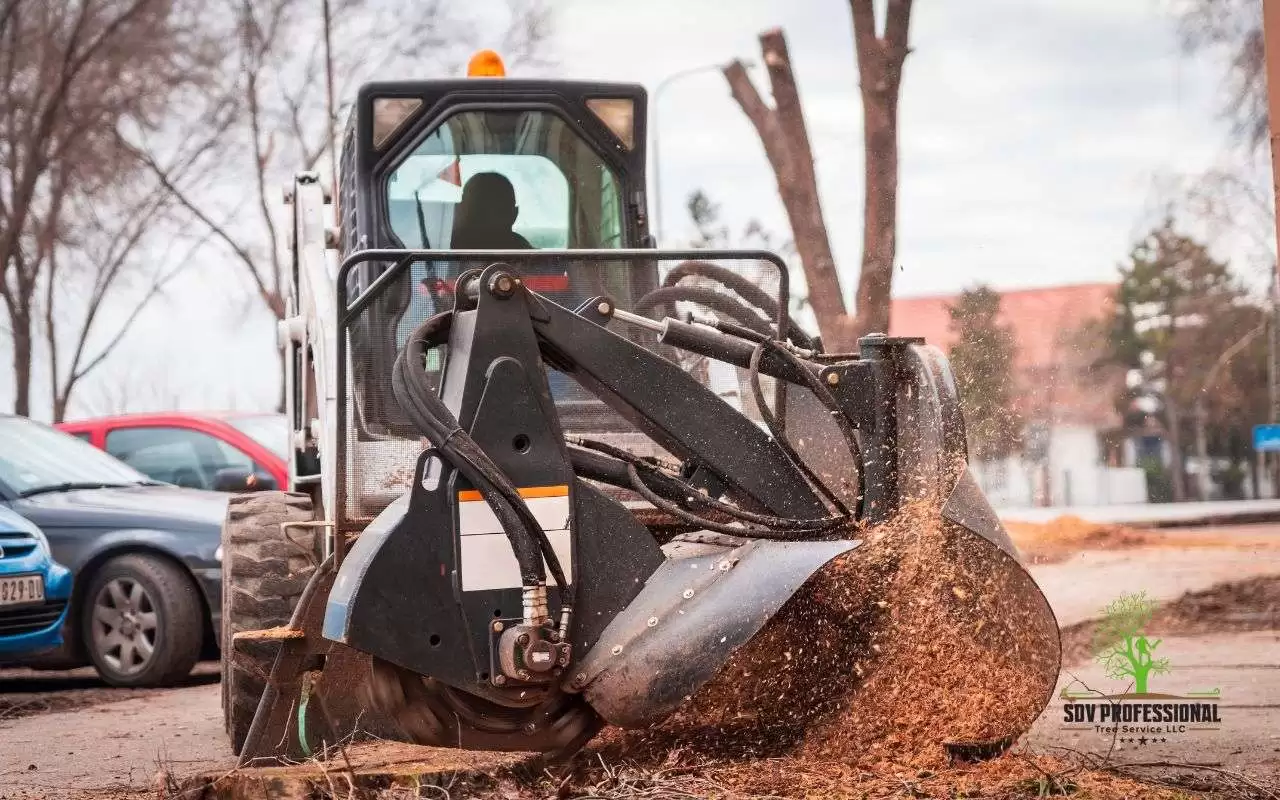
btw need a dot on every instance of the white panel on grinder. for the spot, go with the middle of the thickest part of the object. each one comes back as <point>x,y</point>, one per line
<point>488,563</point>
<point>475,517</point>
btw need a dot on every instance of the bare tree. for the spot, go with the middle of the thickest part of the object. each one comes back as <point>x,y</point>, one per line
<point>782,131</point>
<point>285,50</point>
<point>116,255</point>
<point>77,79</point>
<point>1232,31</point>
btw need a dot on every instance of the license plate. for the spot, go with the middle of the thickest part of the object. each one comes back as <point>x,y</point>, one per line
<point>21,589</point>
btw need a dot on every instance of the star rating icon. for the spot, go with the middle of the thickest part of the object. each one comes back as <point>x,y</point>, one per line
<point>1142,740</point>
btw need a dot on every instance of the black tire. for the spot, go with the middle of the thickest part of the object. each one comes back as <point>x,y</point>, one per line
<point>263,575</point>
<point>153,636</point>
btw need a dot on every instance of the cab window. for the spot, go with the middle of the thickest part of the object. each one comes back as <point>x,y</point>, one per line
<point>505,180</point>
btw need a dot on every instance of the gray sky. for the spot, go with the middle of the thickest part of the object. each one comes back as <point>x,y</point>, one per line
<point>1033,132</point>
<point>1031,129</point>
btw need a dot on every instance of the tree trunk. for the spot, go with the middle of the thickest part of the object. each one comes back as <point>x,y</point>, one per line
<point>21,322</point>
<point>1177,468</point>
<point>60,408</point>
<point>880,60</point>
<point>785,138</point>
<point>879,224</point>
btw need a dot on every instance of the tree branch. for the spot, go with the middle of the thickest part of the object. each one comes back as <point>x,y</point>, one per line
<point>748,98</point>
<point>51,331</point>
<point>272,298</point>
<point>798,186</point>
<point>123,242</point>
<point>897,21</point>
<point>217,229</point>
<point>865,41</point>
<point>156,288</point>
<point>124,327</point>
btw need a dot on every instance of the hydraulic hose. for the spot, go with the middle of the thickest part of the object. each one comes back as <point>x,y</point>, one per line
<point>748,291</point>
<point>746,307</point>
<point>413,391</point>
<point>824,395</point>
<point>670,494</point>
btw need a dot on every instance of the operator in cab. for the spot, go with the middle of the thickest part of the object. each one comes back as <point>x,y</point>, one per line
<point>486,214</point>
<point>484,219</point>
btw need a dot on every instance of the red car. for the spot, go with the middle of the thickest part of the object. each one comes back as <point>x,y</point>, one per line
<point>226,452</point>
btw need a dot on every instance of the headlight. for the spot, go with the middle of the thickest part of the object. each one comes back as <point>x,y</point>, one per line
<point>217,554</point>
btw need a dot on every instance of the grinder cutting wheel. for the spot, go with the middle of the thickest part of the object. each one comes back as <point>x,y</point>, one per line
<point>558,492</point>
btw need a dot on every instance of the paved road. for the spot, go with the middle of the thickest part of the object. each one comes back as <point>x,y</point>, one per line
<point>1245,666</point>
<point>1156,514</point>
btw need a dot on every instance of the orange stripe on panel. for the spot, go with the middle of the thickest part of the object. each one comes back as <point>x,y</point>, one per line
<point>527,492</point>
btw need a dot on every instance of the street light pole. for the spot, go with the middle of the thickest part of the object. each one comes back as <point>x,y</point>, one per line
<point>653,128</point>
<point>329,108</point>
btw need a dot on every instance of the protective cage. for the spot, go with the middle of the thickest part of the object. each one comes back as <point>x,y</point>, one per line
<point>377,448</point>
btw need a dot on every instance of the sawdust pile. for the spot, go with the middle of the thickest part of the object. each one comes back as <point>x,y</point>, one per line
<point>1065,536</point>
<point>924,635</point>
<point>1252,604</point>
<point>685,776</point>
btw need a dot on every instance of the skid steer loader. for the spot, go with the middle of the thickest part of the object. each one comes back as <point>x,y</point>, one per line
<point>546,476</point>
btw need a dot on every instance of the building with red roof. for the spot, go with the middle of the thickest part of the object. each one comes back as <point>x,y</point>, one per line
<point>1058,391</point>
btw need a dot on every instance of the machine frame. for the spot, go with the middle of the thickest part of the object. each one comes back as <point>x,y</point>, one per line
<point>898,393</point>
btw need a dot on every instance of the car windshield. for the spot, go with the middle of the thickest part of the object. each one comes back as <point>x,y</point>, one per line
<point>268,430</point>
<point>35,458</point>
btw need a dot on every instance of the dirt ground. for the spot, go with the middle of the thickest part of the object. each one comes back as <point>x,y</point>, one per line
<point>28,692</point>
<point>90,740</point>
<point>66,735</point>
<point>1070,537</point>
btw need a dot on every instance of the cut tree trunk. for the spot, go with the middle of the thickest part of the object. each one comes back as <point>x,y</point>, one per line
<point>880,60</point>
<point>782,131</point>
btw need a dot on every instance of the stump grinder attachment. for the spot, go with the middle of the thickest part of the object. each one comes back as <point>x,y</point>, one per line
<point>585,484</point>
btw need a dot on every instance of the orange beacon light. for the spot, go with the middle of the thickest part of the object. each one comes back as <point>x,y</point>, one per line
<point>486,64</point>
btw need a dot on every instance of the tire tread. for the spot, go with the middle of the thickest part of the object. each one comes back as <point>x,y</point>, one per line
<point>264,572</point>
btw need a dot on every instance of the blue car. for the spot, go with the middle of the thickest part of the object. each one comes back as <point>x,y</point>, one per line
<point>34,591</point>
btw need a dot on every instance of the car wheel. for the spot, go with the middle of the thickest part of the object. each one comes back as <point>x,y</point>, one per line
<point>142,621</point>
<point>264,571</point>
